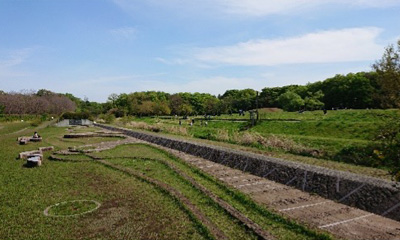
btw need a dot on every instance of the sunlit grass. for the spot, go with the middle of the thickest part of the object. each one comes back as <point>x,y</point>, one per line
<point>130,208</point>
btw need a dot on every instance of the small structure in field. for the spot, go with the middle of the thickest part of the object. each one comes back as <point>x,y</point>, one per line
<point>34,158</point>
<point>24,140</point>
<point>74,122</point>
<point>94,134</point>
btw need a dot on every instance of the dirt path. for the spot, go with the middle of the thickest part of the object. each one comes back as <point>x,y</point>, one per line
<point>17,132</point>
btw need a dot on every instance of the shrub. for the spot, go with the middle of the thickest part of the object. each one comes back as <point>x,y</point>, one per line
<point>273,141</point>
<point>222,135</point>
<point>117,112</point>
<point>108,118</point>
<point>368,156</point>
<point>139,125</point>
<point>389,140</point>
<point>125,120</point>
<point>177,130</point>
<point>77,116</point>
<point>36,122</point>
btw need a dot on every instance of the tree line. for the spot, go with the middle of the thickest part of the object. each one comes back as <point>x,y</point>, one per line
<point>354,90</point>
<point>379,88</point>
<point>36,103</point>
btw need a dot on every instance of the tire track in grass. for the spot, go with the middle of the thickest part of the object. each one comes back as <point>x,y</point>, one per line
<point>248,223</point>
<point>215,231</point>
<point>210,230</point>
<point>257,229</point>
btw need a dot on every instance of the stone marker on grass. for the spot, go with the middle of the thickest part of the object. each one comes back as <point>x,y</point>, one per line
<point>24,140</point>
<point>25,155</point>
<point>34,158</point>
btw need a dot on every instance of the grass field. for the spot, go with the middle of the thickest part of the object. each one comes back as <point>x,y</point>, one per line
<point>311,134</point>
<point>132,207</point>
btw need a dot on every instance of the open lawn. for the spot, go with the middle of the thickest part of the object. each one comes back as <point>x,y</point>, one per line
<point>143,193</point>
<point>130,208</point>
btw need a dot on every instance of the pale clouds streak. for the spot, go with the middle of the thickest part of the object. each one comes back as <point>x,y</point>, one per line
<point>124,33</point>
<point>267,7</point>
<point>16,57</point>
<point>346,45</point>
<point>177,61</point>
<point>112,80</point>
<point>256,8</point>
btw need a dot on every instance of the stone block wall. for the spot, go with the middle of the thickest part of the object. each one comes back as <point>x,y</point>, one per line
<point>367,193</point>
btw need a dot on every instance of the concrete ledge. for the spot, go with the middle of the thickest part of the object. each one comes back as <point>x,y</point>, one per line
<point>90,135</point>
<point>367,193</point>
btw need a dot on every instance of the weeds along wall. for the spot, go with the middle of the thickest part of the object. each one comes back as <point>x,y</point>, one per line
<point>367,193</point>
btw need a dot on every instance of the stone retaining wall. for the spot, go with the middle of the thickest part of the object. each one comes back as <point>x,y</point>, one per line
<point>367,193</point>
<point>73,122</point>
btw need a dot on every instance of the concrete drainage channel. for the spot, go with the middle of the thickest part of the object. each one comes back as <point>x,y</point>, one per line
<point>366,193</point>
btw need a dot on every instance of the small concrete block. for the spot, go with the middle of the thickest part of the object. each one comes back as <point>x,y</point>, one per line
<point>36,155</point>
<point>45,149</point>
<point>25,155</point>
<point>35,139</point>
<point>34,160</point>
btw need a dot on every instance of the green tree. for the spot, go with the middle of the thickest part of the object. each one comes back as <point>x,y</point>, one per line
<point>240,99</point>
<point>388,70</point>
<point>112,99</point>
<point>211,105</point>
<point>290,101</point>
<point>161,108</point>
<point>185,110</point>
<point>146,108</point>
<point>313,100</point>
<point>44,92</point>
<point>357,90</point>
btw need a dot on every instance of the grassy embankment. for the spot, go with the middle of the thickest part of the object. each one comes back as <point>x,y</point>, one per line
<point>307,137</point>
<point>131,208</point>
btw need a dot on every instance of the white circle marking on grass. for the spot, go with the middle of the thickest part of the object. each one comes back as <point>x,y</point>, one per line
<point>46,211</point>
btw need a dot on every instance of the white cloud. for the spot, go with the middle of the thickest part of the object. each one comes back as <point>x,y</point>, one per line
<point>10,61</point>
<point>267,7</point>
<point>255,7</point>
<point>373,3</point>
<point>177,61</point>
<point>16,57</point>
<point>124,32</point>
<point>346,45</point>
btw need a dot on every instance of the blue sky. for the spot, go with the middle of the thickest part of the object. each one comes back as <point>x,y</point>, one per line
<point>92,48</point>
